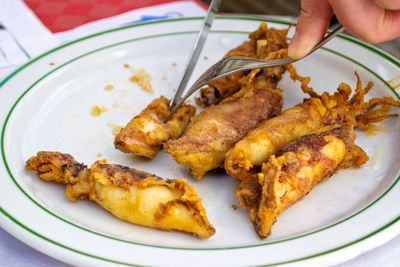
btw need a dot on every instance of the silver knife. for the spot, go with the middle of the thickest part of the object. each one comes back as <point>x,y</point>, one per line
<point>197,48</point>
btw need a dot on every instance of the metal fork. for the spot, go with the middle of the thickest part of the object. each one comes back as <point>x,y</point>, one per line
<point>230,65</point>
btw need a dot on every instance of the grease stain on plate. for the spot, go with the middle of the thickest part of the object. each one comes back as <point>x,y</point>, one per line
<point>96,111</point>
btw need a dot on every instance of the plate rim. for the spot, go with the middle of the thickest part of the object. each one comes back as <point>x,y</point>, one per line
<point>371,48</point>
<point>308,233</point>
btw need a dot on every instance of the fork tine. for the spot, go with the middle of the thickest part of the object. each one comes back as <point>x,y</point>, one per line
<point>198,84</point>
<point>222,68</point>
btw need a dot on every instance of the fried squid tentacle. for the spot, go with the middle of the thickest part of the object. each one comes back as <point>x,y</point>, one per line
<point>129,194</point>
<point>308,117</point>
<point>264,43</point>
<point>216,130</point>
<point>298,167</point>
<point>146,133</point>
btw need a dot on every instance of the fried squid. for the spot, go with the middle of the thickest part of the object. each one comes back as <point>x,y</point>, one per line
<point>129,194</point>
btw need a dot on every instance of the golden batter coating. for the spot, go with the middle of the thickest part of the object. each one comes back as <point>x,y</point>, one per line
<point>271,135</point>
<point>147,132</point>
<point>298,167</point>
<point>129,194</point>
<point>264,43</point>
<point>305,118</point>
<point>214,131</point>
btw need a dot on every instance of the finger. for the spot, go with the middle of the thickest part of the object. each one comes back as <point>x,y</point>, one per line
<point>388,4</point>
<point>366,20</point>
<point>311,27</point>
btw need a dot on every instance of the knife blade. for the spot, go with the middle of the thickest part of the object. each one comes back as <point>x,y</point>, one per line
<point>197,48</point>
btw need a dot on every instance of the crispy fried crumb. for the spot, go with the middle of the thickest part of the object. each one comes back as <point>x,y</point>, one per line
<point>126,66</point>
<point>143,79</point>
<point>234,207</point>
<point>97,110</point>
<point>109,87</point>
<point>52,64</point>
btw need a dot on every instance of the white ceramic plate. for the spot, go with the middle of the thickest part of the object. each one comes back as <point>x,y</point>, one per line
<point>45,105</point>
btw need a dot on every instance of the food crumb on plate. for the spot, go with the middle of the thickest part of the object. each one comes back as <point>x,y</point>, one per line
<point>115,128</point>
<point>395,83</point>
<point>108,87</point>
<point>52,64</point>
<point>234,207</point>
<point>173,64</point>
<point>205,58</point>
<point>126,66</point>
<point>99,155</point>
<point>143,79</point>
<point>97,110</point>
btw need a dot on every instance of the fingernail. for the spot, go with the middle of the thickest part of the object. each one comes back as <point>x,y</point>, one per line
<point>294,46</point>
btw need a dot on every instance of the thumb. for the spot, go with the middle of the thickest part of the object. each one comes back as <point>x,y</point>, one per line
<point>311,27</point>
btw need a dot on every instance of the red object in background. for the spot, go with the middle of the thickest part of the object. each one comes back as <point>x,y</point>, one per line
<point>62,15</point>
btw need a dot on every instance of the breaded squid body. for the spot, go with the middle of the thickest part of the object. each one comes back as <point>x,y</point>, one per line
<point>313,115</point>
<point>264,43</point>
<point>298,167</point>
<point>271,135</point>
<point>129,194</point>
<point>214,131</point>
<point>148,131</point>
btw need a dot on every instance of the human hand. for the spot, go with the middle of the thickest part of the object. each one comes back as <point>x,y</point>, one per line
<point>373,21</point>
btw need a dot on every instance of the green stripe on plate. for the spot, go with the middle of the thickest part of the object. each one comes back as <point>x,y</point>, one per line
<point>397,63</point>
<point>11,218</point>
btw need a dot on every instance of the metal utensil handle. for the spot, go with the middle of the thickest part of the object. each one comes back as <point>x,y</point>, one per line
<point>197,48</point>
<point>236,64</point>
<point>327,38</point>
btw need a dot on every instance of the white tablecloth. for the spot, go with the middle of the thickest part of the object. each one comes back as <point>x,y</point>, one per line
<point>14,253</point>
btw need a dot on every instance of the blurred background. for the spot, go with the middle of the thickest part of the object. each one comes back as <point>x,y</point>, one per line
<point>61,15</point>
<point>284,8</point>
<point>30,27</point>
<point>267,7</point>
